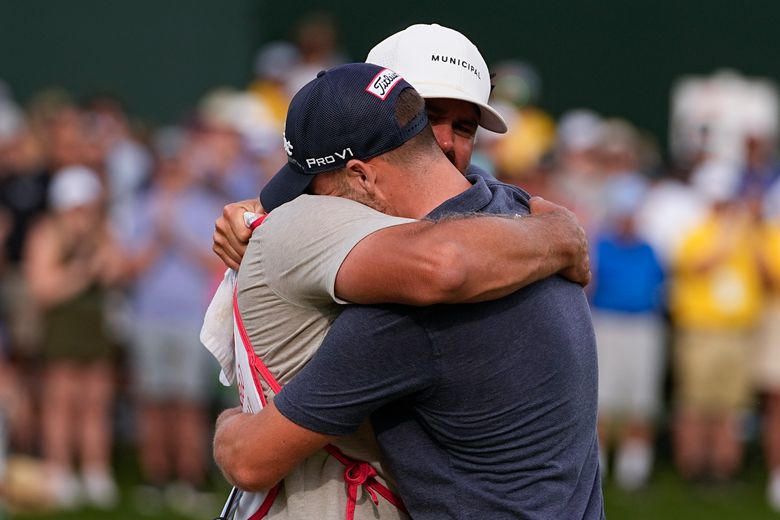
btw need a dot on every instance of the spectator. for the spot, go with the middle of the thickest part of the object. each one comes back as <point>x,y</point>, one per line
<point>531,131</point>
<point>580,174</point>
<point>670,210</point>
<point>316,38</point>
<point>228,123</point>
<point>71,257</point>
<point>716,297</point>
<point>173,269</point>
<point>23,190</point>
<point>618,152</point>
<point>274,63</point>
<point>761,169</point>
<point>626,301</point>
<point>127,163</point>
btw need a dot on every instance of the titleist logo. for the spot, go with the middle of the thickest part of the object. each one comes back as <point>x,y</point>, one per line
<point>383,83</point>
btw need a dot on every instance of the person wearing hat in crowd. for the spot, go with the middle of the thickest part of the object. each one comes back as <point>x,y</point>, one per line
<point>486,409</point>
<point>71,258</point>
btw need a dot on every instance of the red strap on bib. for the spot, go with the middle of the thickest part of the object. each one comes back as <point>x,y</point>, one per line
<point>267,503</point>
<point>259,220</point>
<point>357,473</point>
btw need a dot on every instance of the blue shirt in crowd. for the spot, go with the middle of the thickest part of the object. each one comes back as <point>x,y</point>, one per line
<point>483,411</point>
<point>176,288</point>
<point>628,276</point>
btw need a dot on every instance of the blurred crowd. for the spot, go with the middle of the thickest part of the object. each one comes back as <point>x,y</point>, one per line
<point>685,255</point>
<point>106,270</point>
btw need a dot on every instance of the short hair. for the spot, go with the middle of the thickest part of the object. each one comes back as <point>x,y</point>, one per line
<point>408,106</point>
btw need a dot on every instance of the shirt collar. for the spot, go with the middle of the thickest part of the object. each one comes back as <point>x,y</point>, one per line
<point>472,200</point>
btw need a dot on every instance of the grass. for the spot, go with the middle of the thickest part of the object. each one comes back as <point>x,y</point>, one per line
<point>667,497</point>
<point>128,477</point>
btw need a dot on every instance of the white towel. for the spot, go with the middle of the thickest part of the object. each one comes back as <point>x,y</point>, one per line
<point>217,331</point>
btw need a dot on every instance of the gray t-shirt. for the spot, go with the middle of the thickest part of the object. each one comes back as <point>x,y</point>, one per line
<point>286,296</point>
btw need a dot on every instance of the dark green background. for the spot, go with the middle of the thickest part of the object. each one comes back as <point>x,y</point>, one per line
<point>619,57</point>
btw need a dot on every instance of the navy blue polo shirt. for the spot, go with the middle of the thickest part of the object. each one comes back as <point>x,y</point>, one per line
<point>483,411</point>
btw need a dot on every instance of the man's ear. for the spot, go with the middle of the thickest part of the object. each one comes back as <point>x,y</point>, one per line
<point>362,174</point>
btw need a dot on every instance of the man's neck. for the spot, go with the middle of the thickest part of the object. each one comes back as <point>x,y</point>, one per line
<point>429,189</point>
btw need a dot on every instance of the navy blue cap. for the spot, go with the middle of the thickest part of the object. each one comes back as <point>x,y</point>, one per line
<point>347,112</point>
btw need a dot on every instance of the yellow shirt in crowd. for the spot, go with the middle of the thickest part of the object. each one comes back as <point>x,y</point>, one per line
<point>728,295</point>
<point>770,241</point>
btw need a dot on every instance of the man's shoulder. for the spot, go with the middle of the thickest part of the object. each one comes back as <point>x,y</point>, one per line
<point>317,217</point>
<point>301,245</point>
<point>322,206</point>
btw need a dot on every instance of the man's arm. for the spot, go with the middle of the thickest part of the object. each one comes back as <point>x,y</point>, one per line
<point>332,395</point>
<point>454,261</point>
<point>462,260</point>
<point>255,451</point>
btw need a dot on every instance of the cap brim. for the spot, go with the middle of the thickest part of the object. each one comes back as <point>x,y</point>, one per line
<point>283,187</point>
<point>489,118</point>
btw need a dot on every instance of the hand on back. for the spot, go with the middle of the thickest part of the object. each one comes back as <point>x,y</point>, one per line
<point>565,227</point>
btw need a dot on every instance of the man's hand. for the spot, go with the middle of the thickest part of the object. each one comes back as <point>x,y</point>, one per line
<point>566,228</point>
<point>221,446</point>
<point>255,451</point>
<point>231,234</point>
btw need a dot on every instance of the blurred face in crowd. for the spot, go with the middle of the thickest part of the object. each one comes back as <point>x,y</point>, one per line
<point>24,153</point>
<point>583,162</point>
<point>173,173</point>
<point>96,144</point>
<point>625,225</point>
<point>67,140</point>
<point>316,38</point>
<point>108,118</point>
<point>758,150</point>
<point>454,124</point>
<point>618,160</point>
<point>215,148</point>
<point>80,220</point>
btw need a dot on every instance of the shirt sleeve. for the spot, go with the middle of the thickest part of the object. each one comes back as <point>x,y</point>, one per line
<point>370,357</point>
<point>303,244</point>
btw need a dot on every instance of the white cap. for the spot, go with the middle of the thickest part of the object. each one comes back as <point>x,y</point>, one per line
<point>440,63</point>
<point>580,129</point>
<point>74,186</point>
